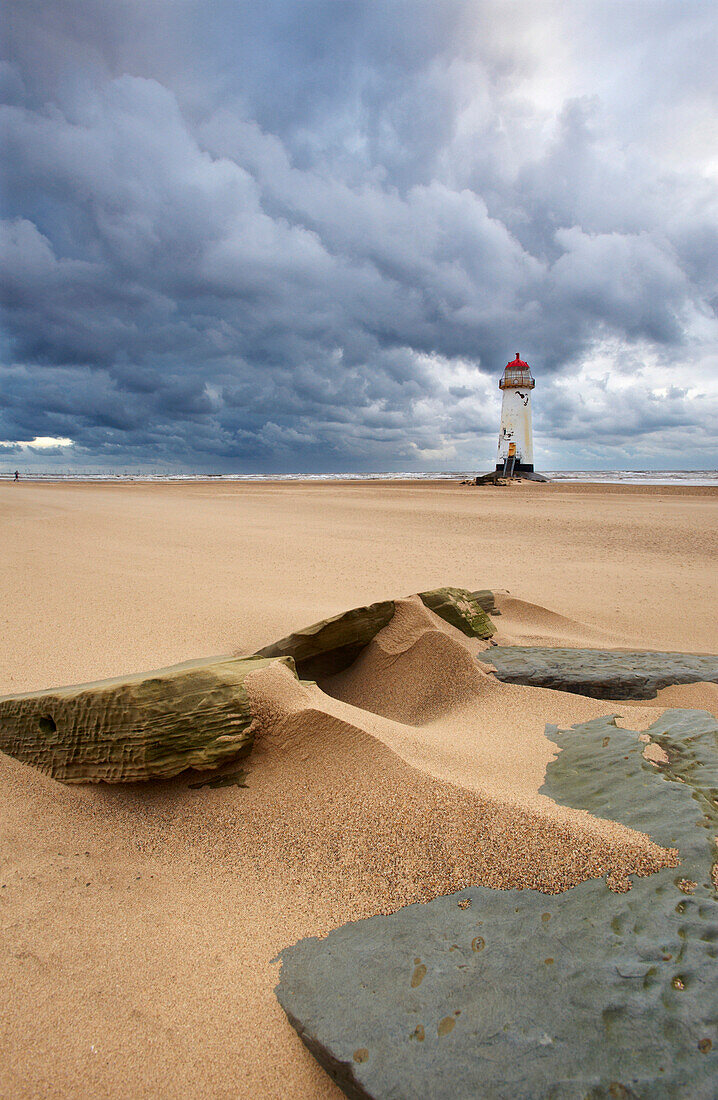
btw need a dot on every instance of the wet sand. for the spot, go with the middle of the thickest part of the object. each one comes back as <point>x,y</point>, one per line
<point>139,923</point>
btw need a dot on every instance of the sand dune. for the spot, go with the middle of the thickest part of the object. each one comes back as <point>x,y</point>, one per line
<point>525,623</point>
<point>466,727</point>
<point>418,672</point>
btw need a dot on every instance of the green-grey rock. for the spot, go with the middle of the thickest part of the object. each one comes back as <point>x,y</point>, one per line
<point>331,645</point>
<point>600,673</point>
<point>461,609</point>
<point>152,724</point>
<point>518,995</point>
<point>486,599</point>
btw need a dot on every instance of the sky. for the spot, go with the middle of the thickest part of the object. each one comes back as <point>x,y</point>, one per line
<point>308,236</point>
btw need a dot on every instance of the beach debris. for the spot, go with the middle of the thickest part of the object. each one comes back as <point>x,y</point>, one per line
<point>146,726</point>
<point>493,477</point>
<point>330,646</point>
<point>577,994</point>
<point>600,673</point>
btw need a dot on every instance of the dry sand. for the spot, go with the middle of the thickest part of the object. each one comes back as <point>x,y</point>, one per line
<point>139,923</point>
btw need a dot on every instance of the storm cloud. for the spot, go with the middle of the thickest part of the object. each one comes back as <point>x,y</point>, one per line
<point>308,236</point>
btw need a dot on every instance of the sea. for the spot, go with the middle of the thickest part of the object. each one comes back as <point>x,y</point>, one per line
<point>598,477</point>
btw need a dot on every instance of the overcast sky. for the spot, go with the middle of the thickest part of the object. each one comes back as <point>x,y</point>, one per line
<point>289,236</point>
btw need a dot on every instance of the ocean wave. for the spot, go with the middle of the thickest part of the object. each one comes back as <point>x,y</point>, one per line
<point>600,477</point>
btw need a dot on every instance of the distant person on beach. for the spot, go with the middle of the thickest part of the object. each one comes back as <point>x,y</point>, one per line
<point>17,476</point>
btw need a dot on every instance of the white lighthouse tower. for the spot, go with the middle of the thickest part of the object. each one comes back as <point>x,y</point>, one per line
<point>516,443</point>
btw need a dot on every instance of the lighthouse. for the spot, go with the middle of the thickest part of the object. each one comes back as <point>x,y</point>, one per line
<point>516,444</point>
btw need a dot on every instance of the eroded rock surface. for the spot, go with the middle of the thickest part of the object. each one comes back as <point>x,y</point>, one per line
<point>152,724</point>
<point>505,994</point>
<point>461,609</point>
<point>330,646</point>
<point>600,673</point>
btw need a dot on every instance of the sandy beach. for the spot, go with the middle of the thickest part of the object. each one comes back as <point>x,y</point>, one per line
<point>140,922</point>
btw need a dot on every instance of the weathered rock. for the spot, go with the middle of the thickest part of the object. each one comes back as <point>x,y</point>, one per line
<point>600,673</point>
<point>330,646</point>
<point>461,609</point>
<point>193,715</point>
<point>486,599</point>
<point>333,644</point>
<point>502,994</point>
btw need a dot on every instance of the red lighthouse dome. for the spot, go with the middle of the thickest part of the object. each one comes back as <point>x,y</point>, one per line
<point>517,375</point>
<point>517,364</point>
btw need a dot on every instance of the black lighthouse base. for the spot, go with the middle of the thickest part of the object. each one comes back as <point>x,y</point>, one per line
<point>518,469</point>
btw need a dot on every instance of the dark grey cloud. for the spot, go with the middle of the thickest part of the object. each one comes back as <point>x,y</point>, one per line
<point>307,236</point>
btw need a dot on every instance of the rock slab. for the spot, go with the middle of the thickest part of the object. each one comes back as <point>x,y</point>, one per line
<point>461,609</point>
<point>146,726</point>
<point>600,673</point>
<point>331,645</point>
<point>516,994</point>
